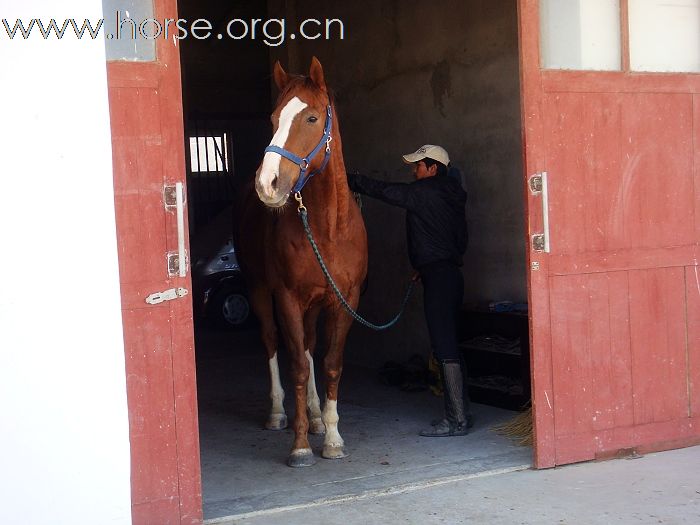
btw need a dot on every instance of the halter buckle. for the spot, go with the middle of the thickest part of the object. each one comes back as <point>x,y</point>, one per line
<point>328,144</point>
<point>297,197</point>
<point>304,164</point>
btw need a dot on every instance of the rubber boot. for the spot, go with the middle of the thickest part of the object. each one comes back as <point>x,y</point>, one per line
<point>465,393</point>
<point>455,421</point>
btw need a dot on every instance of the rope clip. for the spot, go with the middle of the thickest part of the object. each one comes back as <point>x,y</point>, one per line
<point>301,208</point>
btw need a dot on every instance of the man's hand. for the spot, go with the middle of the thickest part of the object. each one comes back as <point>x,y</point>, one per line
<point>415,277</point>
<point>351,180</point>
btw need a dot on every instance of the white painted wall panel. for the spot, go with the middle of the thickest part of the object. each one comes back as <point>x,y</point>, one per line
<point>64,443</point>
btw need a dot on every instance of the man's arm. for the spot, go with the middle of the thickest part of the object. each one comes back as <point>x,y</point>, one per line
<point>394,193</point>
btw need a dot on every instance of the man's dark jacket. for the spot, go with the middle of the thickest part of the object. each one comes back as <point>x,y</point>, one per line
<point>435,223</point>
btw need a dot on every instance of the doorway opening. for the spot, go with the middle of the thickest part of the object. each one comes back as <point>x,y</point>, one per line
<point>404,77</point>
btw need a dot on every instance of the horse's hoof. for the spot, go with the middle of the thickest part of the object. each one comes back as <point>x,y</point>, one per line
<point>334,452</point>
<point>302,457</point>
<point>317,427</point>
<point>276,422</point>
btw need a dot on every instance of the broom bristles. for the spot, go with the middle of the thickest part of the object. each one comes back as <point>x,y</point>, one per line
<point>519,429</point>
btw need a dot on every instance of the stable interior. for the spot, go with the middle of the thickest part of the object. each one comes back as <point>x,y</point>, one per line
<point>403,75</point>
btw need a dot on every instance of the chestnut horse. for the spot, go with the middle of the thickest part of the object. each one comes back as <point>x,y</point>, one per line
<point>283,275</point>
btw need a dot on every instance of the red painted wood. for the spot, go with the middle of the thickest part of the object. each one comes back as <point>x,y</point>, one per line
<point>696,170</point>
<point>641,439</point>
<point>614,314</point>
<point>555,81</point>
<point>159,512</point>
<point>620,260</point>
<point>181,325</point>
<point>625,34</point>
<point>151,404</point>
<point>148,151</point>
<point>592,378</point>
<point>657,326</point>
<point>657,160</point>
<point>605,154</point>
<point>537,281</point>
<point>692,281</point>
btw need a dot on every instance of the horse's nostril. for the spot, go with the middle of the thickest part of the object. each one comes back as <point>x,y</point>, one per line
<point>275,182</point>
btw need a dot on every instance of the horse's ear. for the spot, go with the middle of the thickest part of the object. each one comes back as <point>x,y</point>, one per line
<point>316,73</point>
<point>281,76</point>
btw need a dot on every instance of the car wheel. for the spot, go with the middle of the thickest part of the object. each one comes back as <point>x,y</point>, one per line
<point>230,309</point>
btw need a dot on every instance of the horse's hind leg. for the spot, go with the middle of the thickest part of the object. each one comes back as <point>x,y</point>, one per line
<point>337,325</point>
<point>261,301</point>
<point>313,403</point>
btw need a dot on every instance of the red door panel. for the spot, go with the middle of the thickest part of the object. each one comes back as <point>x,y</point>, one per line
<point>657,322</point>
<point>692,283</point>
<point>620,170</point>
<point>148,150</point>
<point>151,406</point>
<point>591,367</point>
<point>614,304</point>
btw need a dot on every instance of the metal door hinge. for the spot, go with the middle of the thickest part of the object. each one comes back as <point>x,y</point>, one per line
<point>538,242</point>
<point>174,264</point>
<point>167,295</point>
<point>170,196</point>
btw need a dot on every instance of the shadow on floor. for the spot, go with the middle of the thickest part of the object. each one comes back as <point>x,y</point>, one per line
<point>243,465</point>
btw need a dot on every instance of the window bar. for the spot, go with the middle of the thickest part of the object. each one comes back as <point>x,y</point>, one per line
<point>198,188</point>
<point>207,173</point>
<point>220,158</point>
<point>206,148</point>
<point>625,35</point>
<point>196,140</point>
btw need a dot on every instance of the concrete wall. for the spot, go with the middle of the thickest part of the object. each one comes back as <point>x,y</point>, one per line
<point>64,436</point>
<point>227,76</point>
<point>409,73</point>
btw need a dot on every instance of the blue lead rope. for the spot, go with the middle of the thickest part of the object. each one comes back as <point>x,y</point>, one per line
<point>343,302</point>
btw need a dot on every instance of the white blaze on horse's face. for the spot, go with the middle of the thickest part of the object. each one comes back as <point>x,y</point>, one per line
<point>267,179</point>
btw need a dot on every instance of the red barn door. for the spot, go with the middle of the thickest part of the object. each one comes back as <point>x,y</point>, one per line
<point>148,149</point>
<point>614,287</point>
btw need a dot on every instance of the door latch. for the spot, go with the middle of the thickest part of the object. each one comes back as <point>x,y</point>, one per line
<point>174,197</point>
<point>167,295</point>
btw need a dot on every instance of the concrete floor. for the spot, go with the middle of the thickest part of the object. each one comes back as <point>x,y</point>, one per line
<point>243,465</point>
<point>657,488</point>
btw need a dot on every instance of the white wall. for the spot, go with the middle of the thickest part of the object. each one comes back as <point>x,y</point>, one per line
<point>64,446</point>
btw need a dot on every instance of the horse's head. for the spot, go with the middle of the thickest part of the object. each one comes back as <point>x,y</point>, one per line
<point>298,124</point>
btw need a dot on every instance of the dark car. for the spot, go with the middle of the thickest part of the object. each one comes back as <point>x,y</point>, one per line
<point>219,290</point>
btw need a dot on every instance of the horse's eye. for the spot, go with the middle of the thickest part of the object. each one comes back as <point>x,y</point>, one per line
<point>311,120</point>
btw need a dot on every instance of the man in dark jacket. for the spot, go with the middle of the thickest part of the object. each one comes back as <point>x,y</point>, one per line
<point>437,238</point>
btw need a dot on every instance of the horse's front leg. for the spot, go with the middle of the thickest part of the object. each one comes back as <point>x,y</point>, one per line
<point>292,319</point>
<point>337,326</point>
<point>313,402</point>
<point>261,300</point>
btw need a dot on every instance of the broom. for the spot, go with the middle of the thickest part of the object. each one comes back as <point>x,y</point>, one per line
<point>519,429</point>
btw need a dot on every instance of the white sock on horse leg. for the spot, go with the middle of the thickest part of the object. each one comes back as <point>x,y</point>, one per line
<point>312,400</point>
<point>330,419</point>
<point>276,391</point>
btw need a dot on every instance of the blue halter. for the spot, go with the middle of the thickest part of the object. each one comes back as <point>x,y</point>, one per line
<point>304,163</point>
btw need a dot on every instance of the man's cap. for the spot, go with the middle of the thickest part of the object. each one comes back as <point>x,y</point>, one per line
<point>429,151</point>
